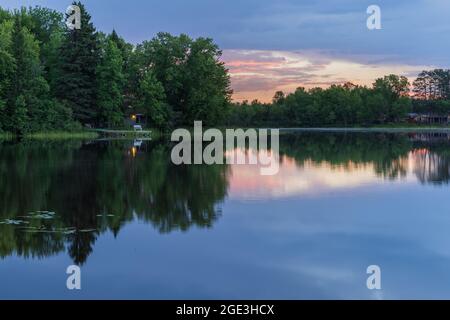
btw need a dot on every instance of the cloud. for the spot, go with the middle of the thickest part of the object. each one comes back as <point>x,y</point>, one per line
<point>412,30</point>
<point>286,43</point>
<point>259,73</point>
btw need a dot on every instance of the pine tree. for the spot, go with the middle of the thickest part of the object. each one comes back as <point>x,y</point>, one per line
<point>129,72</point>
<point>79,58</point>
<point>110,86</point>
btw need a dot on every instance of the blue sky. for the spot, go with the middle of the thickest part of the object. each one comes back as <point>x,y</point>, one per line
<point>413,33</point>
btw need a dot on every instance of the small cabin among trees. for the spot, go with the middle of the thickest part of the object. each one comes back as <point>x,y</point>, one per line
<point>136,119</point>
<point>429,118</point>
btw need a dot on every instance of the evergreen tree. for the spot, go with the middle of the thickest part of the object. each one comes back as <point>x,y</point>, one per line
<point>79,58</point>
<point>129,71</point>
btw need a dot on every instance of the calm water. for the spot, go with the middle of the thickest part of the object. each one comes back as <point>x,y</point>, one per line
<point>142,228</point>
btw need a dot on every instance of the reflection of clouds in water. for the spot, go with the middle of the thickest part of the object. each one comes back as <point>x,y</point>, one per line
<point>312,178</point>
<point>327,242</point>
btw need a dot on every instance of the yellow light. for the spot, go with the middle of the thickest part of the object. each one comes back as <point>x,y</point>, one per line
<point>133,117</point>
<point>133,151</point>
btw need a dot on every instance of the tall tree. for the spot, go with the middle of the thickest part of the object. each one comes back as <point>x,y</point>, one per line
<point>392,88</point>
<point>29,95</point>
<point>7,68</point>
<point>130,73</point>
<point>195,81</point>
<point>48,28</point>
<point>393,85</point>
<point>278,98</point>
<point>206,84</point>
<point>151,100</point>
<point>432,84</point>
<point>79,58</point>
<point>110,86</point>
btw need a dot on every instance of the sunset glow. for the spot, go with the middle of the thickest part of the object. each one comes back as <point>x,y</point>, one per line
<point>258,74</point>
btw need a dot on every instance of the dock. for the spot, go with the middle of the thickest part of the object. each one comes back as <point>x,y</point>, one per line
<point>124,133</point>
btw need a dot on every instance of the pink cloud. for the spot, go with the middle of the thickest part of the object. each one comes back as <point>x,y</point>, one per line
<point>257,74</point>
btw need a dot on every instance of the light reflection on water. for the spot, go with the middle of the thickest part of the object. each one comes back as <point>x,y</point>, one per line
<point>309,178</point>
<point>121,210</point>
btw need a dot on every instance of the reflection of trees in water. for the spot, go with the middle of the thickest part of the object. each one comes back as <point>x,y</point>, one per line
<point>388,153</point>
<point>98,187</point>
<point>431,167</point>
<point>431,156</point>
<point>168,196</point>
<point>26,174</point>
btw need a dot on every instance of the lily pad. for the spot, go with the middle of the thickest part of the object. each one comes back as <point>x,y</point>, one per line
<point>88,230</point>
<point>46,215</point>
<point>14,222</point>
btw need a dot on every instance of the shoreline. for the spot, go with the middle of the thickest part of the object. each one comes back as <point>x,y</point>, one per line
<point>374,129</point>
<point>90,134</point>
<point>84,134</point>
<point>56,135</point>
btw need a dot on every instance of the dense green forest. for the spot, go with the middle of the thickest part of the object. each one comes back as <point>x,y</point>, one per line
<point>388,101</point>
<point>53,78</point>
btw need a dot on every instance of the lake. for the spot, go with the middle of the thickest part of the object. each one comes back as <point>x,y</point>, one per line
<point>142,228</point>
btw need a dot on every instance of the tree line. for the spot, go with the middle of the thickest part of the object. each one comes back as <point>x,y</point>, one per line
<point>53,78</point>
<point>389,100</point>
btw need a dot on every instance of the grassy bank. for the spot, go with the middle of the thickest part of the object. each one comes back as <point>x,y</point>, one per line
<point>6,136</point>
<point>63,135</point>
<point>86,134</point>
<point>155,134</point>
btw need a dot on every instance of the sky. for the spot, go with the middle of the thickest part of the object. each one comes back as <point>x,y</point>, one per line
<point>271,45</point>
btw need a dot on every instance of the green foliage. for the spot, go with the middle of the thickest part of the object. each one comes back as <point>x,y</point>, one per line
<point>28,94</point>
<point>150,100</point>
<point>7,68</point>
<point>26,104</point>
<point>110,80</point>
<point>19,117</point>
<point>64,75</point>
<point>339,105</point>
<point>195,82</point>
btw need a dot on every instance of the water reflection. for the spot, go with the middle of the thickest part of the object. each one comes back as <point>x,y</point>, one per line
<point>95,187</point>
<point>59,197</point>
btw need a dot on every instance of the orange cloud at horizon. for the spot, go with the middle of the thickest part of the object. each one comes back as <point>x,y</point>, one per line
<point>258,74</point>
